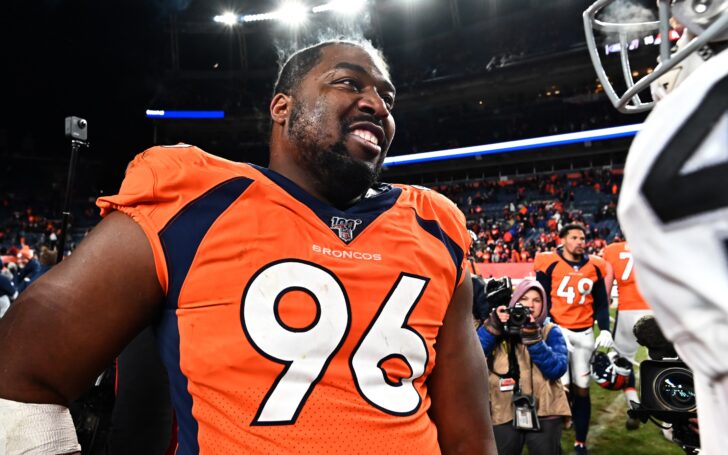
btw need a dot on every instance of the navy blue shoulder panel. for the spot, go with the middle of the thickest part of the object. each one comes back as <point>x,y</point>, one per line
<point>551,267</point>
<point>456,253</point>
<point>180,239</point>
<point>363,213</point>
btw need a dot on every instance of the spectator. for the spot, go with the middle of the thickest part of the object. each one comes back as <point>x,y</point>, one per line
<point>7,292</point>
<point>47,258</point>
<point>29,269</point>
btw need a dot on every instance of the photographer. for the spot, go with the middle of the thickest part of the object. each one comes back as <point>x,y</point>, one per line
<point>527,357</point>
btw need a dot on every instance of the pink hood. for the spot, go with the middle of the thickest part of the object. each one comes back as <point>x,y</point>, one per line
<point>523,287</point>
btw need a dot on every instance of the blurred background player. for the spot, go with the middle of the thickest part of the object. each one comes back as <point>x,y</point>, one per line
<point>631,307</point>
<point>673,206</point>
<point>577,297</point>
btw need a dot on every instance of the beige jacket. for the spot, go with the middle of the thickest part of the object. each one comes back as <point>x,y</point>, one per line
<point>550,395</point>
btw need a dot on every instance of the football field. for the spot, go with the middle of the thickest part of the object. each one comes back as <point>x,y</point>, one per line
<point>608,435</point>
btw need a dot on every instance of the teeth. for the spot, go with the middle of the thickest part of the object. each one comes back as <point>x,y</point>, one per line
<point>366,135</point>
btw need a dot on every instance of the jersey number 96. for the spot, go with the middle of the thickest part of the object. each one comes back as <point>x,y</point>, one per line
<point>307,352</point>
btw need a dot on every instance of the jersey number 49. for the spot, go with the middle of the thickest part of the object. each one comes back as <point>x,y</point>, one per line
<point>566,290</point>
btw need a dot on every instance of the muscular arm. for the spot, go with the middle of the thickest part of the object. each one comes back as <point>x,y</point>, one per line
<point>72,322</point>
<point>459,382</point>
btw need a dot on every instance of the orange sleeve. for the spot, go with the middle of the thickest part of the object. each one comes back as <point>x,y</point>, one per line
<point>541,261</point>
<point>158,183</point>
<point>432,206</point>
<point>454,224</point>
<point>609,254</point>
<point>600,264</point>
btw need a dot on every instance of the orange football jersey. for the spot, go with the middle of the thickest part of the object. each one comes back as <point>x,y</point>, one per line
<point>291,326</point>
<point>571,287</point>
<point>630,297</point>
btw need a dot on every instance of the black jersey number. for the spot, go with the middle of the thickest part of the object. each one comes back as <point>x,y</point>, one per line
<point>675,196</point>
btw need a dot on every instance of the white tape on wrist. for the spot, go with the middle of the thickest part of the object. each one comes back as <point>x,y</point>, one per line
<point>42,429</point>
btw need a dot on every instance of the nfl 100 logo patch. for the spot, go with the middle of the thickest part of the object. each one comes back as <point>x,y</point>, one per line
<point>345,227</point>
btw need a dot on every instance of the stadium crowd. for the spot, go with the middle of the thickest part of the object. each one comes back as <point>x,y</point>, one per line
<point>512,220</point>
<point>30,228</point>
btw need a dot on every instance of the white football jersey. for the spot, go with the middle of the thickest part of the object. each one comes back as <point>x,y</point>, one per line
<point>674,210</point>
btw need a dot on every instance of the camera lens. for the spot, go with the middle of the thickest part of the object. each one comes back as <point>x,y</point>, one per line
<point>518,317</point>
<point>675,390</point>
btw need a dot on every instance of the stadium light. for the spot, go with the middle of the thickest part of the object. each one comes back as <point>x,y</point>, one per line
<point>513,146</point>
<point>259,17</point>
<point>346,7</point>
<point>292,13</point>
<point>228,18</point>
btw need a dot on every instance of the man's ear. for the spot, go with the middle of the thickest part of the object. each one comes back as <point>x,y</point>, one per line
<point>280,108</point>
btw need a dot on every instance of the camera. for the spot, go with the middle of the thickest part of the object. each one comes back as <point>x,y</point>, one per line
<point>76,128</point>
<point>519,315</point>
<point>667,390</point>
<point>667,385</point>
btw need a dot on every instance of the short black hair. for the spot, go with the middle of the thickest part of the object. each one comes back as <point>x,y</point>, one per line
<point>570,227</point>
<point>296,67</point>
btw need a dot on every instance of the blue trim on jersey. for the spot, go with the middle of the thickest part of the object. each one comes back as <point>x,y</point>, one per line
<point>366,209</point>
<point>180,240</point>
<point>456,253</point>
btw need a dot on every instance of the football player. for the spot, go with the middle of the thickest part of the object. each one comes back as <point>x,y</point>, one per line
<point>298,308</point>
<point>630,308</point>
<point>576,297</point>
<point>673,205</point>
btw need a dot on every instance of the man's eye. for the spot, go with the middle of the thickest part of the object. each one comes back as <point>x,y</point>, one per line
<point>388,100</point>
<point>349,82</point>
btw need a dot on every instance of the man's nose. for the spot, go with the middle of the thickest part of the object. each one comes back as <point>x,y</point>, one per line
<point>373,104</point>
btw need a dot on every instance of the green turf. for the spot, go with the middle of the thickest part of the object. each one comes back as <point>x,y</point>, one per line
<point>608,435</point>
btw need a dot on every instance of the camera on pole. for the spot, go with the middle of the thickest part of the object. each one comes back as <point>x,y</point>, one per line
<point>77,132</point>
<point>76,129</point>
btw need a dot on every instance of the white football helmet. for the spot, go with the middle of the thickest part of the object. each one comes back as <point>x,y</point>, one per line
<point>706,21</point>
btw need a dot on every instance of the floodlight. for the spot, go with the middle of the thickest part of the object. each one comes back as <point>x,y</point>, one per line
<point>259,17</point>
<point>292,13</point>
<point>347,7</point>
<point>228,18</point>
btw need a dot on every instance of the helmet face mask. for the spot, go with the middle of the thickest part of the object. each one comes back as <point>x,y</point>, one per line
<point>706,19</point>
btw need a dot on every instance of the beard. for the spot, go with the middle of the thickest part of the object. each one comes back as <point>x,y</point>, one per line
<point>338,177</point>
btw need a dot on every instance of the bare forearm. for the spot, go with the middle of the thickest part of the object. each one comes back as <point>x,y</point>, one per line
<point>71,323</point>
